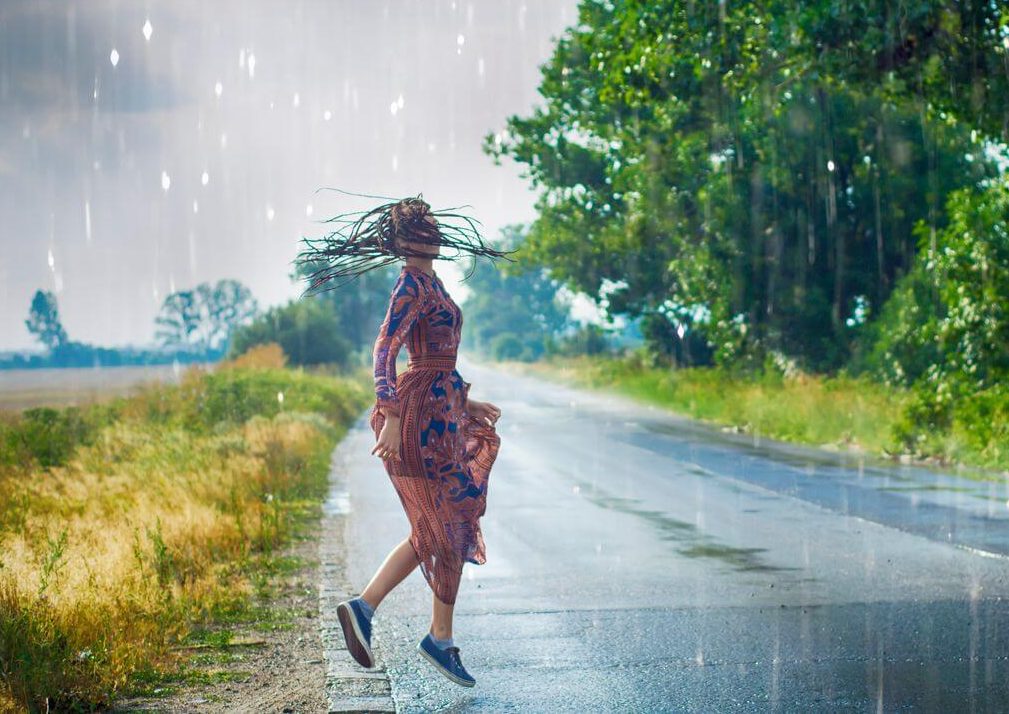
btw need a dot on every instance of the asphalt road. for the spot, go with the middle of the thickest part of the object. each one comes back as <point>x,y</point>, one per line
<point>640,562</point>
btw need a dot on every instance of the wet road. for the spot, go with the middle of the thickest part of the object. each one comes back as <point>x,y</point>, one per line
<point>639,562</point>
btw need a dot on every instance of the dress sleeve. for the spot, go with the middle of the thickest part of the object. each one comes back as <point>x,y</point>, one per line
<point>406,304</point>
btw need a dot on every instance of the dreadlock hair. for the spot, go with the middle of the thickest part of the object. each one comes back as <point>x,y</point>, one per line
<point>369,241</point>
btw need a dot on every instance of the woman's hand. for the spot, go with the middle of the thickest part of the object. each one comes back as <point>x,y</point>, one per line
<point>483,411</point>
<point>387,445</point>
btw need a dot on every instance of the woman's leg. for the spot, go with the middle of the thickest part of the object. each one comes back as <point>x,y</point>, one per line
<point>441,619</point>
<point>441,616</point>
<point>397,565</point>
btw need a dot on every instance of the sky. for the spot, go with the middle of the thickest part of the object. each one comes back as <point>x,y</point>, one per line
<point>147,147</point>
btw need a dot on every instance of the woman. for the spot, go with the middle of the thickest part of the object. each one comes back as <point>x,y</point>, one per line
<point>437,445</point>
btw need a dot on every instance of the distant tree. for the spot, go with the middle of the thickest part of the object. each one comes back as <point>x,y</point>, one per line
<point>44,320</point>
<point>227,306</point>
<point>512,304</point>
<point>358,307</point>
<point>179,319</point>
<point>205,317</point>
<point>307,330</point>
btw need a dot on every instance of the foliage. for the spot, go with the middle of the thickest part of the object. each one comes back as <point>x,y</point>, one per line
<point>964,331</point>
<point>45,437</point>
<point>307,330</point>
<point>44,320</point>
<point>204,318</point>
<point>357,309</point>
<point>739,173</point>
<point>512,309</point>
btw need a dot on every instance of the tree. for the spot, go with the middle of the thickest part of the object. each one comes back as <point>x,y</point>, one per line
<point>517,300</point>
<point>44,321</point>
<point>307,330</point>
<point>358,308</point>
<point>737,172</point>
<point>205,317</point>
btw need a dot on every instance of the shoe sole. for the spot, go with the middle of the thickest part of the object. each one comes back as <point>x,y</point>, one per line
<point>437,665</point>
<point>354,638</point>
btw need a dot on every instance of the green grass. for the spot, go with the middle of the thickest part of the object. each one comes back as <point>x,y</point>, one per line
<point>833,412</point>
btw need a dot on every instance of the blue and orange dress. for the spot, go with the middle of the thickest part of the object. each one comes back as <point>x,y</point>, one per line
<point>446,454</point>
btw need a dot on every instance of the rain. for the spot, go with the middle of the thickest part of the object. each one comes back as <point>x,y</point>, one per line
<point>740,386</point>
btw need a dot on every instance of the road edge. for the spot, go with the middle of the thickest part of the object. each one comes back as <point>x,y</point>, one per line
<point>349,688</point>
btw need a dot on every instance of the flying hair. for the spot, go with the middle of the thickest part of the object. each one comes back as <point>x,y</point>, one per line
<point>366,240</point>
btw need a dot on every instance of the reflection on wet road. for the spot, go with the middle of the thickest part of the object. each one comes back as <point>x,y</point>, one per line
<point>638,562</point>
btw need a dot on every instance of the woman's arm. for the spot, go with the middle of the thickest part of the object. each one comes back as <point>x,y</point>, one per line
<point>406,304</point>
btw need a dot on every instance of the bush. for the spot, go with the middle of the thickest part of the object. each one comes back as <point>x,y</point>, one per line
<point>307,330</point>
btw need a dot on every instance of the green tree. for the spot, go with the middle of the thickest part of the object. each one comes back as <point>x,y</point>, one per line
<point>307,330</point>
<point>737,183</point>
<point>516,301</point>
<point>205,317</point>
<point>44,320</point>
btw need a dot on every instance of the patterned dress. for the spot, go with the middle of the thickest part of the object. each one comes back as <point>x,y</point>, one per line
<point>446,455</point>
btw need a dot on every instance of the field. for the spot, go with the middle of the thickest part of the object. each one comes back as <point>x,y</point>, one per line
<point>132,528</point>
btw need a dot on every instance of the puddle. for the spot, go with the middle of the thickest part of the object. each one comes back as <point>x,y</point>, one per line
<point>692,543</point>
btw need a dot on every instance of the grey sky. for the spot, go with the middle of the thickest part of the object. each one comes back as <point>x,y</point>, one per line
<point>102,165</point>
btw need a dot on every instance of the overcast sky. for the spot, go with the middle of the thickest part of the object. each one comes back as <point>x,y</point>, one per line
<point>146,147</point>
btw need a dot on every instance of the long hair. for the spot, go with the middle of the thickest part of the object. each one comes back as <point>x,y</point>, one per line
<point>368,242</point>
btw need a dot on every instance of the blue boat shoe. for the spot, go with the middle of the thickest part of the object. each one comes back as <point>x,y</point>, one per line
<point>446,661</point>
<point>356,632</point>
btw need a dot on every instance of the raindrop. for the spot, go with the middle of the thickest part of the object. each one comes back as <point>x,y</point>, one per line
<point>395,162</point>
<point>241,57</point>
<point>280,398</point>
<point>252,66</point>
<point>196,206</point>
<point>400,101</point>
<point>479,67</point>
<point>308,210</point>
<point>52,259</point>
<point>224,139</point>
<point>327,115</point>
<point>271,105</point>
<point>296,101</point>
<point>269,212</point>
<point>218,89</point>
<point>148,30</point>
<point>87,221</point>
<point>830,165</point>
<point>114,57</point>
<point>166,181</point>
<point>430,147</point>
<point>205,178</point>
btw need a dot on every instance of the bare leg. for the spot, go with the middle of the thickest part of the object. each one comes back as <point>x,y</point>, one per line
<point>397,565</point>
<point>441,618</point>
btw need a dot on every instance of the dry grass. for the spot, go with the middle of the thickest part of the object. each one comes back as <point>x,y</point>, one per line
<point>110,559</point>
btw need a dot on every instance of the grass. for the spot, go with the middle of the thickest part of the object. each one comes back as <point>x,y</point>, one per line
<point>133,529</point>
<point>807,409</point>
<point>833,412</point>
